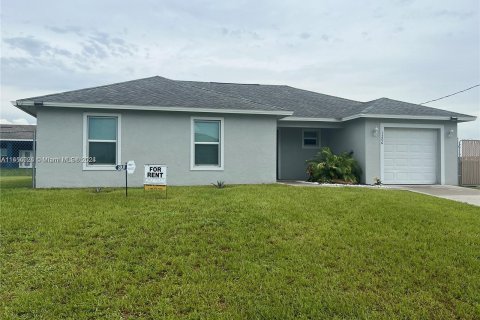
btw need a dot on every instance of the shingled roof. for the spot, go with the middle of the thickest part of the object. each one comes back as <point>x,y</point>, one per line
<point>304,103</point>
<point>16,132</point>
<point>385,106</point>
<point>158,92</point>
<point>155,92</point>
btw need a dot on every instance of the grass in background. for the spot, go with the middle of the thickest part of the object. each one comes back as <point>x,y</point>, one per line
<point>15,178</point>
<point>8,172</point>
<point>264,251</point>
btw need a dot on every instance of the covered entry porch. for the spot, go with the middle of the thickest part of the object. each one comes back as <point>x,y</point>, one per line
<point>299,142</point>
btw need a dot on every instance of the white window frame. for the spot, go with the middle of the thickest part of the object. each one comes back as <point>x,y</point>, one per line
<point>192,145</point>
<point>101,167</point>
<point>441,132</point>
<point>303,139</point>
<point>21,154</point>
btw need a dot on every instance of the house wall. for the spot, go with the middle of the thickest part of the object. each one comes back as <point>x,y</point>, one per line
<point>156,137</point>
<point>349,138</point>
<point>357,136</point>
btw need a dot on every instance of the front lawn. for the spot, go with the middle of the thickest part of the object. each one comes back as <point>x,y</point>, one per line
<point>265,251</point>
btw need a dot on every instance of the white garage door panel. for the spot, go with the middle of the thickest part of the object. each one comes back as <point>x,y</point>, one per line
<point>410,156</point>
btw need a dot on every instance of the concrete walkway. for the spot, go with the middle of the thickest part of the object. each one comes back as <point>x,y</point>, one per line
<point>455,193</point>
<point>460,194</point>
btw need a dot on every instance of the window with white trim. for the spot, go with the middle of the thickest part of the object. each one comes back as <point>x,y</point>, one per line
<point>310,138</point>
<point>207,143</point>
<point>101,143</point>
<point>26,156</point>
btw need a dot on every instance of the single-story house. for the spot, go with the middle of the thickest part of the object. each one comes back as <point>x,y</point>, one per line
<point>237,133</point>
<point>16,141</point>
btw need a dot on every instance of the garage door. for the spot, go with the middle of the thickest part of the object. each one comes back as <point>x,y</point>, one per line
<point>410,156</point>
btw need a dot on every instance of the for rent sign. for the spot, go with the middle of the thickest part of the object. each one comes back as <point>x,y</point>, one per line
<point>155,175</point>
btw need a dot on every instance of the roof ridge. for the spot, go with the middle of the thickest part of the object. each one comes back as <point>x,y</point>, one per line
<point>238,83</point>
<point>369,107</point>
<point>242,84</point>
<point>230,95</point>
<point>372,105</point>
<point>322,94</point>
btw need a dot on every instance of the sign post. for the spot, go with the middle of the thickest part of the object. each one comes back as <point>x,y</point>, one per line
<point>155,177</point>
<point>129,168</point>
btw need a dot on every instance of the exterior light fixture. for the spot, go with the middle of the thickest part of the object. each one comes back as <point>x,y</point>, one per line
<point>375,132</point>
<point>450,133</point>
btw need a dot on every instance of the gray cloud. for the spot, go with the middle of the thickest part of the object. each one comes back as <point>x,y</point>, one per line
<point>403,49</point>
<point>35,47</point>
<point>29,44</point>
<point>66,29</point>
<point>240,34</point>
<point>304,35</point>
<point>94,46</point>
<point>93,49</point>
<point>101,45</point>
<point>15,62</point>
<point>455,14</point>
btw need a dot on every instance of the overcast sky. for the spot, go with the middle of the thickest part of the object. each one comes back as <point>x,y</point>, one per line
<point>407,50</point>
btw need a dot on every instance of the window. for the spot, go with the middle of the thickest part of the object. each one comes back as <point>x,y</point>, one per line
<point>207,144</point>
<point>26,156</point>
<point>3,154</point>
<point>101,141</point>
<point>310,138</point>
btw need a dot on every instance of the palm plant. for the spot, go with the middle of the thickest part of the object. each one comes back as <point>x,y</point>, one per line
<point>328,167</point>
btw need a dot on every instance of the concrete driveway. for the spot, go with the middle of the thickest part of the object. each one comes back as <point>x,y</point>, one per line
<point>461,194</point>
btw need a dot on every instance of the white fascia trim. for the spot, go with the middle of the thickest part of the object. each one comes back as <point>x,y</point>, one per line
<point>19,106</point>
<point>193,167</point>
<point>16,139</point>
<point>408,117</point>
<point>101,167</point>
<point>158,108</point>
<point>310,119</point>
<point>440,127</point>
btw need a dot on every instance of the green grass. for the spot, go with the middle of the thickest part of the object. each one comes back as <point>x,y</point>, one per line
<point>15,178</point>
<point>6,172</point>
<point>15,182</point>
<point>251,252</point>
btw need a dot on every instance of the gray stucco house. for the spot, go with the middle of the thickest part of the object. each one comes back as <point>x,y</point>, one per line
<point>238,133</point>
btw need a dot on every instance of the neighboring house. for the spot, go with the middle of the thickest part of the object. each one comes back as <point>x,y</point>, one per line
<point>16,141</point>
<point>237,133</point>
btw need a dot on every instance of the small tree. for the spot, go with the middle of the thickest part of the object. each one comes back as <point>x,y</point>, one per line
<point>328,167</point>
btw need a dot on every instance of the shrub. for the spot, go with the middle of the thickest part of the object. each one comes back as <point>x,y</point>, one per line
<point>219,184</point>
<point>328,167</point>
